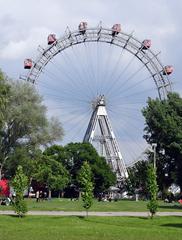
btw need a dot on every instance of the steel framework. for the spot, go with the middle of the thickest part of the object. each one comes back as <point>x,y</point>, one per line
<point>109,146</point>
<point>99,34</point>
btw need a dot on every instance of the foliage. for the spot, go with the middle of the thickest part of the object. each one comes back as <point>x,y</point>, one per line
<point>136,181</point>
<point>19,184</point>
<point>77,153</point>
<point>4,91</point>
<point>26,156</point>
<point>103,176</point>
<point>164,126</point>
<point>86,185</point>
<point>152,189</point>
<point>25,123</point>
<point>72,157</point>
<point>51,173</point>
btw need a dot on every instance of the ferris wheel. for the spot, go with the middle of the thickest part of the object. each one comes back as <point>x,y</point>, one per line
<point>97,80</point>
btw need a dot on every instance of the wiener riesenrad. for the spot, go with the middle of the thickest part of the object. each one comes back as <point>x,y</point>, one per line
<point>97,80</point>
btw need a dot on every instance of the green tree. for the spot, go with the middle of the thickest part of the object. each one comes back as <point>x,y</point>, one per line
<point>51,173</point>
<point>19,184</point>
<point>4,94</point>
<point>77,153</point>
<point>4,91</point>
<point>25,123</point>
<point>86,185</point>
<point>136,181</point>
<point>152,190</point>
<point>27,158</point>
<point>164,126</point>
<point>72,157</point>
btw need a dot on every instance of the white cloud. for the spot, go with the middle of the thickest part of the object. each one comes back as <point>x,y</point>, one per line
<point>24,47</point>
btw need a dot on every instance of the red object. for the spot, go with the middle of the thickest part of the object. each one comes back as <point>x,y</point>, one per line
<point>180,201</point>
<point>146,44</point>
<point>51,39</point>
<point>28,63</point>
<point>82,27</point>
<point>116,29</point>
<point>168,70</point>
<point>4,188</point>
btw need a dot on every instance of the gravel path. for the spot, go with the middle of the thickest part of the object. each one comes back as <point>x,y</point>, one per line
<point>111,214</point>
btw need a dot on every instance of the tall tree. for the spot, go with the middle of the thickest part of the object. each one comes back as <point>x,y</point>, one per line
<point>26,123</point>
<point>164,126</point>
<point>4,91</point>
<point>152,189</point>
<point>4,94</point>
<point>19,184</point>
<point>136,181</point>
<point>86,185</point>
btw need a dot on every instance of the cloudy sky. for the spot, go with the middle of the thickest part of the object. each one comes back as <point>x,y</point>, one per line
<point>25,25</point>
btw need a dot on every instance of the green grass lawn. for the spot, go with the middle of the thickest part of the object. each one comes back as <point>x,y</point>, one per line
<point>101,228</point>
<point>123,205</point>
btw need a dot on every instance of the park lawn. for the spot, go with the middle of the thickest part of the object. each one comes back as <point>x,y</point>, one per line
<point>91,228</point>
<point>124,205</point>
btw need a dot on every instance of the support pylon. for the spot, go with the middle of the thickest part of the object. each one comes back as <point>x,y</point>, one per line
<point>100,130</point>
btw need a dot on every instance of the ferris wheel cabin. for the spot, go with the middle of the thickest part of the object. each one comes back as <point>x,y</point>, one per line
<point>116,29</point>
<point>82,27</point>
<point>28,63</point>
<point>168,70</point>
<point>51,39</point>
<point>146,44</point>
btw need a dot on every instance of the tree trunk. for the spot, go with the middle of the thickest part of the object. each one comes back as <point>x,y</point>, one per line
<point>1,166</point>
<point>62,194</point>
<point>29,185</point>
<point>164,191</point>
<point>49,195</point>
<point>79,195</point>
<point>59,194</point>
<point>0,172</point>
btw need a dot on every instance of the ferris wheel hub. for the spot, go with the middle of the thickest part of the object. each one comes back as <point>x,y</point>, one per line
<point>101,101</point>
<point>98,101</point>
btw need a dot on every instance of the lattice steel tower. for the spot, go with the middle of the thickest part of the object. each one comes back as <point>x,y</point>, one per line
<point>100,131</point>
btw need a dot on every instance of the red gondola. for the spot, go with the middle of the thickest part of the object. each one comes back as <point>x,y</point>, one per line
<point>82,27</point>
<point>116,29</point>
<point>168,70</point>
<point>51,39</point>
<point>27,63</point>
<point>146,44</point>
